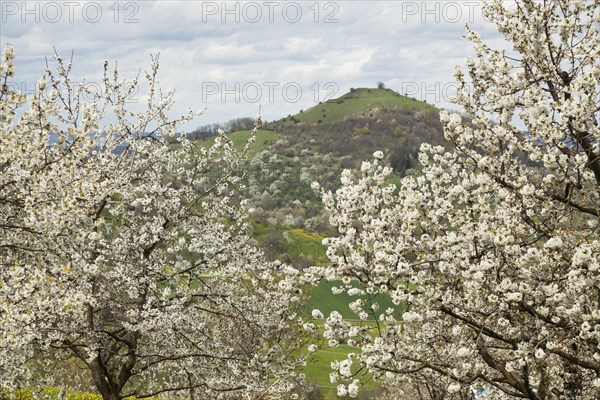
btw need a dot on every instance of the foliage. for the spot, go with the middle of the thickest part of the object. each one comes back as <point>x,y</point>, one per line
<point>496,259</point>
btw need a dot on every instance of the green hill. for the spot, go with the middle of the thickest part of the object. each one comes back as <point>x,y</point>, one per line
<point>361,102</point>
<point>353,126</point>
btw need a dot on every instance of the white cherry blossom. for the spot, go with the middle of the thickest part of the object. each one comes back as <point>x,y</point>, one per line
<point>115,262</point>
<point>491,253</point>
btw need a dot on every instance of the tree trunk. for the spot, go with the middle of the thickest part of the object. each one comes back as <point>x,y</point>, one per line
<point>104,384</point>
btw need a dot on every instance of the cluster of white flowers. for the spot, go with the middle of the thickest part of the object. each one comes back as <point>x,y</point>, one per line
<point>492,253</point>
<point>113,253</point>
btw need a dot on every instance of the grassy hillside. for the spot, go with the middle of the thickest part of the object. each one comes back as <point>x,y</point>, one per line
<point>264,139</point>
<point>361,102</point>
<point>317,371</point>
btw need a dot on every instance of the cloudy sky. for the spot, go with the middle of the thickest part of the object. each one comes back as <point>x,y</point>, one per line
<point>230,56</point>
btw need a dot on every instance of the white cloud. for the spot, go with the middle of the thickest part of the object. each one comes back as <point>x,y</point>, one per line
<point>203,44</point>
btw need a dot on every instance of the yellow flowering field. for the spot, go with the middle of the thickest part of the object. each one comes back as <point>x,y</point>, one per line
<point>49,393</point>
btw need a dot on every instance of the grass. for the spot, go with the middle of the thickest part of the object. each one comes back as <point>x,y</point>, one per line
<point>324,300</point>
<point>300,243</point>
<point>359,102</point>
<point>264,139</point>
<point>318,369</point>
<point>309,245</point>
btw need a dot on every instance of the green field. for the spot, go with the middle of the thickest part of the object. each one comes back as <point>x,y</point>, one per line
<point>317,371</point>
<point>324,300</point>
<point>308,245</point>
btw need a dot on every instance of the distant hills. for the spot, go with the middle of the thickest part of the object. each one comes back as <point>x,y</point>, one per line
<point>287,217</point>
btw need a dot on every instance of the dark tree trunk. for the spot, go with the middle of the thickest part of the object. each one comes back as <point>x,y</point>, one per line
<point>105,384</point>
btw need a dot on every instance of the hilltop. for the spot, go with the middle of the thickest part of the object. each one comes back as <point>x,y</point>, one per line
<point>353,126</point>
<point>358,103</point>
